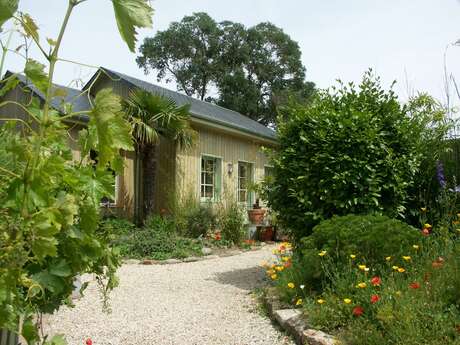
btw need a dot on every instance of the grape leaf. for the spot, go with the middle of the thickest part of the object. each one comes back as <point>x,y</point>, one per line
<point>29,26</point>
<point>132,14</point>
<point>35,71</point>
<point>7,10</point>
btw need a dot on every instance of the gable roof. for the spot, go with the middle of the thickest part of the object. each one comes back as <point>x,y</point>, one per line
<point>79,100</point>
<point>200,109</point>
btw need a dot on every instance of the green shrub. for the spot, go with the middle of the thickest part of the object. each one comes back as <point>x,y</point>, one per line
<point>158,240</point>
<point>200,221</point>
<point>371,238</point>
<point>232,223</point>
<point>353,150</point>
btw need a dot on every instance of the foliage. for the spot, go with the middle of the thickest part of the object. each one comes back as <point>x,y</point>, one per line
<point>231,223</point>
<point>353,150</point>
<point>254,70</point>
<point>369,238</point>
<point>200,221</point>
<point>386,305</point>
<point>119,231</point>
<point>158,240</point>
<point>49,202</point>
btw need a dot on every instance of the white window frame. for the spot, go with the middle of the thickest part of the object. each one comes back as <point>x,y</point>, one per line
<point>217,187</point>
<point>250,194</point>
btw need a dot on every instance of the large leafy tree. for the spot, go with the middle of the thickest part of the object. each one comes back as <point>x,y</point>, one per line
<point>251,70</point>
<point>152,116</point>
<point>49,202</point>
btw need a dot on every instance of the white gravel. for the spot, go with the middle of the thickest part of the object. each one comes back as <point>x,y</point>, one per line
<point>205,302</point>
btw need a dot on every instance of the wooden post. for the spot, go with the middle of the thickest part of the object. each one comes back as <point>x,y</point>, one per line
<point>8,337</point>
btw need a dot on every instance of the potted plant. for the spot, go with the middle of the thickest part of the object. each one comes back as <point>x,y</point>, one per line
<point>256,214</point>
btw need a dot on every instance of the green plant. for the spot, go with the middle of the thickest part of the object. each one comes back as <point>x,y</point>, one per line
<point>231,222</point>
<point>353,150</point>
<point>49,203</point>
<point>200,221</point>
<point>369,238</point>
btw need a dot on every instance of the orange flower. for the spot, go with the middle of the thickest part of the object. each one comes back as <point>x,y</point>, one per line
<point>414,285</point>
<point>376,281</point>
<point>287,264</point>
<point>375,299</point>
<point>358,311</point>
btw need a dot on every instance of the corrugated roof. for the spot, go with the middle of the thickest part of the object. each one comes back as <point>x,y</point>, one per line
<point>75,97</point>
<point>201,109</point>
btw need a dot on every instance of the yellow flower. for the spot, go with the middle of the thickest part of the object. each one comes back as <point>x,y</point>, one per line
<point>273,276</point>
<point>276,251</point>
<point>291,285</point>
<point>299,301</point>
<point>398,293</point>
<point>353,256</point>
<point>322,253</point>
<point>388,258</point>
<point>320,301</point>
<point>361,285</point>
<point>416,247</point>
<point>270,272</point>
<point>395,268</point>
<point>423,209</point>
<point>401,270</point>
<point>362,267</point>
<point>427,226</point>
<point>285,258</point>
<point>347,301</point>
<point>279,268</point>
<point>407,258</point>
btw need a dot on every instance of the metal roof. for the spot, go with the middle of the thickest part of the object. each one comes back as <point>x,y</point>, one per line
<point>201,109</point>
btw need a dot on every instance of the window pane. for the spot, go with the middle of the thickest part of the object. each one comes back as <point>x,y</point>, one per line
<point>209,178</point>
<point>208,190</point>
<point>242,171</point>
<point>242,196</point>
<point>202,191</point>
<point>243,183</point>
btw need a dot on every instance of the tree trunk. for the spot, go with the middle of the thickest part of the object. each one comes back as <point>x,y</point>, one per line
<point>148,179</point>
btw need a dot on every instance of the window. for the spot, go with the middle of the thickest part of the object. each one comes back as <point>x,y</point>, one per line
<point>244,182</point>
<point>268,172</point>
<point>210,178</point>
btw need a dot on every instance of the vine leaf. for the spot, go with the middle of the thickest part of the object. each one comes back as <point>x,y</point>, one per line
<point>132,14</point>
<point>29,26</point>
<point>35,71</point>
<point>7,10</point>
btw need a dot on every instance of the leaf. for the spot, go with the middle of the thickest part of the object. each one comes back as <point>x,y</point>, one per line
<point>29,26</point>
<point>132,14</point>
<point>35,71</point>
<point>51,42</point>
<point>7,10</point>
<point>8,85</point>
<point>57,340</point>
<point>61,269</point>
<point>44,246</point>
<point>30,332</point>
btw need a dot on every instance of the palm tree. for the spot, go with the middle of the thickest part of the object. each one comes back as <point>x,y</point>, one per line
<point>152,116</point>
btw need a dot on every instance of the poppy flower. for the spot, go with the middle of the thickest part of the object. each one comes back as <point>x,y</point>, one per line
<point>376,281</point>
<point>361,285</point>
<point>287,264</point>
<point>414,285</point>
<point>347,300</point>
<point>358,311</point>
<point>291,285</point>
<point>320,301</point>
<point>322,253</point>
<point>89,342</point>
<point>375,299</point>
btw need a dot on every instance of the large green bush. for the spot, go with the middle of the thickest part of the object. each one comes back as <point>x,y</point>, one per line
<point>353,150</point>
<point>370,238</point>
<point>231,222</point>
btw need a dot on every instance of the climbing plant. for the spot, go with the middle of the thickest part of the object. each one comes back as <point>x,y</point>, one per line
<point>49,202</point>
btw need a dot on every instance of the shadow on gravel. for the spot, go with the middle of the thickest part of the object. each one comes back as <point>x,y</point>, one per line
<point>245,279</point>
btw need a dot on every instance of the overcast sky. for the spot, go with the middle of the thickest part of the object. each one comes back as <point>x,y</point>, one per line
<point>338,38</point>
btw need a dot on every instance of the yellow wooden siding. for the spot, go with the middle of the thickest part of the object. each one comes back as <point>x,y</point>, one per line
<point>230,149</point>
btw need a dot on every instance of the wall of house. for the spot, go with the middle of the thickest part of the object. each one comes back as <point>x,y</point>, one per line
<point>230,149</point>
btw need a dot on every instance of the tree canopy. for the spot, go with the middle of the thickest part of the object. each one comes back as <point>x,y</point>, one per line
<point>250,70</point>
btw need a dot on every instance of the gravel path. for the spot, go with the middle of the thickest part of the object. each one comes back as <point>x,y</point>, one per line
<point>200,303</point>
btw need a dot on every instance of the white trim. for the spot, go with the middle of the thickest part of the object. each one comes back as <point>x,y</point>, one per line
<point>216,198</point>
<point>251,194</point>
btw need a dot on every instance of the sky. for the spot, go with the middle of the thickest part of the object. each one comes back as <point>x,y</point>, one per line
<point>402,40</point>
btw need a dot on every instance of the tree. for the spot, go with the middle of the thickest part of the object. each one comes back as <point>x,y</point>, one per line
<point>50,203</point>
<point>152,116</point>
<point>253,70</point>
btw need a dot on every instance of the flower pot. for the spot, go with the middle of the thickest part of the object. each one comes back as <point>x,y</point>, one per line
<point>266,234</point>
<point>256,215</point>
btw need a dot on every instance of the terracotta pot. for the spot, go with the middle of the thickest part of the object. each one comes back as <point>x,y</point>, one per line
<point>256,215</point>
<point>266,234</point>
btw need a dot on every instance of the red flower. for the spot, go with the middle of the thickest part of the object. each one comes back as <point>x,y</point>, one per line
<point>89,341</point>
<point>217,237</point>
<point>376,281</point>
<point>425,232</point>
<point>287,264</point>
<point>282,248</point>
<point>375,299</point>
<point>414,285</point>
<point>358,311</point>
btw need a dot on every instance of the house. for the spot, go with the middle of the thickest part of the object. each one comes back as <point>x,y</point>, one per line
<point>226,160</point>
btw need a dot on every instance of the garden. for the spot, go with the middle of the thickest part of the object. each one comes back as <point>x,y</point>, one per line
<point>372,209</point>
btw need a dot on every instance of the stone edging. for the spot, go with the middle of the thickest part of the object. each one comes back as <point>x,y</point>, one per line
<point>190,258</point>
<point>292,322</point>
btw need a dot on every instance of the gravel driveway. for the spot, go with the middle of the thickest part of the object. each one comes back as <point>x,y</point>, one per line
<point>204,302</point>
